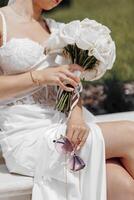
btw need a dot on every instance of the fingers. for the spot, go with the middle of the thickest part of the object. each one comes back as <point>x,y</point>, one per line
<point>69,69</point>
<point>79,133</point>
<point>69,133</point>
<point>68,80</point>
<point>64,87</point>
<point>75,67</point>
<point>71,75</point>
<point>75,132</point>
<point>84,138</point>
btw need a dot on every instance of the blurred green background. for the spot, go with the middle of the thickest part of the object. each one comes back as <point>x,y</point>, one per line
<point>118,15</point>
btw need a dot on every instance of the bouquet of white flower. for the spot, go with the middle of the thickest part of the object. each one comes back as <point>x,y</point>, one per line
<point>88,44</point>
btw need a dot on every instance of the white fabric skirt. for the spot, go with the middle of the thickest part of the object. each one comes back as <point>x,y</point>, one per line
<point>26,137</point>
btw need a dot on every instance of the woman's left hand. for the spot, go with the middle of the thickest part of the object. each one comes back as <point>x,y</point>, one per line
<point>77,129</point>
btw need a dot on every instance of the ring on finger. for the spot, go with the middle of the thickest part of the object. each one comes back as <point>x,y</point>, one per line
<point>79,140</point>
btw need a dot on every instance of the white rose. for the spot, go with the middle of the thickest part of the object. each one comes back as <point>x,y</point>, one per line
<point>54,26</point>
<point>87,38</point>
<point>55,42</point>
<point>104,51</point>
<point>70,32</point>
<point>93,74</point>
<point>95,25</point>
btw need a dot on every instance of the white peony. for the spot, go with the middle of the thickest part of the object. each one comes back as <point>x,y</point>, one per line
<point>87,35</point>
<point>104,51</point>
<point>70,32</point>
<point>55,42</point>
<point>66,34</point>
<point>87,38</point>
<point>54,26</point>
<point>95,26</point>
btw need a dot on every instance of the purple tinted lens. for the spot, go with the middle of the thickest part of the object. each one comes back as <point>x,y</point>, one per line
<point>75,163</point>
<point>63,145</point>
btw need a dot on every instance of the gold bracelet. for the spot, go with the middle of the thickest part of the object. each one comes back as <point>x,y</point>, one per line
<point>34,80</point>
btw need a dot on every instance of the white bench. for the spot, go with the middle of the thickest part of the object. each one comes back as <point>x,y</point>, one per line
<point>16,187</point>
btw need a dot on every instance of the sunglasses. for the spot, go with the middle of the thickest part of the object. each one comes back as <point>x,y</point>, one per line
<point>64,146</point>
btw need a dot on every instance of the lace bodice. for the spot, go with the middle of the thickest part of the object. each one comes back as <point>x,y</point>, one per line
<point>19,55</point>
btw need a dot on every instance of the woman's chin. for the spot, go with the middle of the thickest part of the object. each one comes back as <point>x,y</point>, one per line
<point>50,7</point>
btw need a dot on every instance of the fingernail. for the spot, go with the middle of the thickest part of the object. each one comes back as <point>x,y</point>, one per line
<point>71,89</point>
<point>72,153</point>
<point>78,147</point>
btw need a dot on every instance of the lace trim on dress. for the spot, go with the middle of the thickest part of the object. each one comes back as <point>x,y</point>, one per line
<point>44,97</point>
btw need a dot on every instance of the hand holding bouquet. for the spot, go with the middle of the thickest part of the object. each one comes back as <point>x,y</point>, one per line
<point>88,44</point>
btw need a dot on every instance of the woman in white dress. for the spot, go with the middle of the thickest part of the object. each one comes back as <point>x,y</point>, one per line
<point>29,123</point>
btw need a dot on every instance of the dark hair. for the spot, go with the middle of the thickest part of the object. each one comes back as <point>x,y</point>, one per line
<point>3,3</point>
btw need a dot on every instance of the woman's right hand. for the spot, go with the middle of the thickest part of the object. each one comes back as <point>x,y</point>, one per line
<point>59,75</point>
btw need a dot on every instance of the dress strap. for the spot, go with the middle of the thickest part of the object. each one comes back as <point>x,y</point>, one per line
<point>4,28</point>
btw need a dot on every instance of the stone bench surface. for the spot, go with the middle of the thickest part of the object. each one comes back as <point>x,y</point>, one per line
<point>116,116</point>
<point>15,185</point>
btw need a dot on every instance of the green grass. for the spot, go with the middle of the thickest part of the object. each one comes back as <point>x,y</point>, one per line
<point>118,15</point>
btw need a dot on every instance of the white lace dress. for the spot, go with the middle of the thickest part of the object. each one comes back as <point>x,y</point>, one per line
<point>29,124</point>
